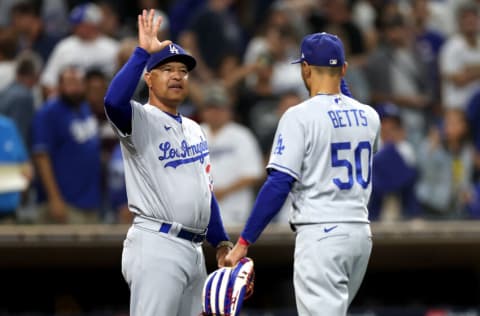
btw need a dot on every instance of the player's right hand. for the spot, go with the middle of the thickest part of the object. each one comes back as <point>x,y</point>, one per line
<point>233,257</point>
<point>148,32</point>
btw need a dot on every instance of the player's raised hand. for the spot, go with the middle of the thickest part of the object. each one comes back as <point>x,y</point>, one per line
<point>148,32</point>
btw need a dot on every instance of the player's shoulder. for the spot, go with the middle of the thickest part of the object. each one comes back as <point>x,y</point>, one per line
<point>136,104</point>
<point>298,109</point>
<point>368,109</point>
<point>67,43</point>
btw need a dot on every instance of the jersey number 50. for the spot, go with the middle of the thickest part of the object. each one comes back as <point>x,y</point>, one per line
<point>345,163</point>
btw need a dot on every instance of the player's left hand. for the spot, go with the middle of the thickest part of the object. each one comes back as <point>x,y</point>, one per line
<point>237,253</point>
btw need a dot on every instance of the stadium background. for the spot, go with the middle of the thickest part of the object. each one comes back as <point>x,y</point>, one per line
<point>419,265</point>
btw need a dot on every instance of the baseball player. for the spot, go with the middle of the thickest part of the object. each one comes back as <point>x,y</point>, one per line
<point>322,156</point>
<point>167,172</point>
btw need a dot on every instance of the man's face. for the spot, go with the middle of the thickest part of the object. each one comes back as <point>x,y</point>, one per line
<point>71,86</point>
<point>168,83</point>
<point>96,87</point>
<point>23,22</point>
<point>391,131</point>
<point>469,22</point>
<point>216,116</point>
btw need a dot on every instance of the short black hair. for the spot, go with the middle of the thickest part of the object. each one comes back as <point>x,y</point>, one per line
<point>95,72</point>
<point>26,7</point>
<point>28,64</point>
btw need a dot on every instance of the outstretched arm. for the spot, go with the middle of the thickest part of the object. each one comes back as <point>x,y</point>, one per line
<point>216,234</point>
<point>269,201</point>
<point>123,85</point>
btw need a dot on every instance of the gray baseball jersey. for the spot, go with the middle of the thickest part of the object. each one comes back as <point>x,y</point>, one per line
<point>326,143</point>
<point>167,174</point>
<point>159,163</point>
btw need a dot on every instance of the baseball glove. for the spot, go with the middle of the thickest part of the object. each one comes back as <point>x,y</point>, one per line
<point>226,288</point>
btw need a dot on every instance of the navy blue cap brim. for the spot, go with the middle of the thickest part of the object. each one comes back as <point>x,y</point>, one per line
<point>297,61</point>
<point>188,60</point>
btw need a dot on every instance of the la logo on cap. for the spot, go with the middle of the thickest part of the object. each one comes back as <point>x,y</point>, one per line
<point>173,49</point>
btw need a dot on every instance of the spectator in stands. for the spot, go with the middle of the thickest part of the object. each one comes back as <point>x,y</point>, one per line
<point>473,208</point>
<point>125,50</point>
<point>5,10</point>
<point>257,88</point>
<point>396,75</point>
<point>472,112</point>
<point>181,13</point>
<point>96,84</point>
<point>210,35</point>
<point>87,47</point>
<point>116,189</point>
<point>12,152</point>
<point>335,17</point>
<point>460,59</point>
<point>17,99</point>
<point>395,170</point>
<point>428,43</point>
<point>27,22</point>
<point>110,24</point>
<point>277,44</point>
<point>276,18</point>
<point>235,156</point>
<point>365,15</point>
<point>164,30</point>
<point>446,162</point>
<point>265,116</point>
<point>55,16</point>
<point>442,16</point>
<point>7,56</point>
<point>66,151</point>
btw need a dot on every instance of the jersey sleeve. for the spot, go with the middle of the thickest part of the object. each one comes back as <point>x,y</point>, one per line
<point>216,231</point>
<point>288,146</point>
<point>137,134</point>
<point>121,89</point>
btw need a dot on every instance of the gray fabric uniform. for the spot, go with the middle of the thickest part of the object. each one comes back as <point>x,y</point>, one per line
<point>167,174</point>
<point>327,143</point>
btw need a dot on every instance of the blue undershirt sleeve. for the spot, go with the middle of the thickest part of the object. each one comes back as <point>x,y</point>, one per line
<point>121,89</point>
<point>344,88</point>
<point>269,201</point>
<point>216,231</point>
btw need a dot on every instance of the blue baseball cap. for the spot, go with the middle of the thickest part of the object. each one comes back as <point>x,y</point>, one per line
<point>388,110</point>
<point>172,52</point>
<point>322,49</point>
<point>86,13</point>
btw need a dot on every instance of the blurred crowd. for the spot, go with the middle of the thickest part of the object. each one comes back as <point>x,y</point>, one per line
<point>417,62</point>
